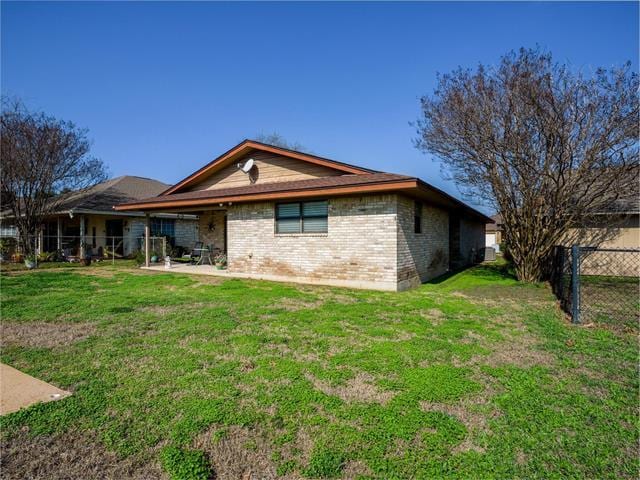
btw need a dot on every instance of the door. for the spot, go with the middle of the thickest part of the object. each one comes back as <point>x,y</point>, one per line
<point>490,239</point>
<point>115,235</point>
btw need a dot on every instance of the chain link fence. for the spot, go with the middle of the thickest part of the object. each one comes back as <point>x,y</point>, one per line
<point>598,285</point>
<point>74,248</point>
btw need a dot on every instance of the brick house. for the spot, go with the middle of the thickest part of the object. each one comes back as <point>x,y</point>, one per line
<point>84,221</point>
<point>286,215</point>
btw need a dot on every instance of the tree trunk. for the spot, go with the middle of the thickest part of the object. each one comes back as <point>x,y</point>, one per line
<point>531,263</point>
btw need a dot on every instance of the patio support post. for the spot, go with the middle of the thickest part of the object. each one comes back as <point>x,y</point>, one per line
<point>82,229</point>
<point>59,235</point>
<point>147,234</point>
<point>39,241</point>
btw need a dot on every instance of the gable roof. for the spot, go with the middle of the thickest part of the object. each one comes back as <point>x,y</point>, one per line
<point>103,196</point>
<point>258,191</point>
<point>248,146</point>
<point>311,188</point>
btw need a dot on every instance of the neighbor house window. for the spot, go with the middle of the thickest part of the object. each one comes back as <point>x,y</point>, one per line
<point>163,227</point>
<point>93,234</point>
<point>302,217</point>
<point>417,217</point>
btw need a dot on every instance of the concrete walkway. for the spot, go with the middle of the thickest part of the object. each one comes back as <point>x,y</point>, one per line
<point>19,390</point>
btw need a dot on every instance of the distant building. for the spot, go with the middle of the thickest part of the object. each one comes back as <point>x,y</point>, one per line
<point>493,231</point>
<point>85,220</point>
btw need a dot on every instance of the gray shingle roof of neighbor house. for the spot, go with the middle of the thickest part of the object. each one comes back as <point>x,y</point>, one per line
<point>628,204</point>
<point>103,196</point>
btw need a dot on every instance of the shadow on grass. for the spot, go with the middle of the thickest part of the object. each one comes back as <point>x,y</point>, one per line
<point>495,271</point>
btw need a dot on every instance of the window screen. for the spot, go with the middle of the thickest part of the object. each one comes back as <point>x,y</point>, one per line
<point>163,227</point>
<point>288,218</point>
<point>302,217</point>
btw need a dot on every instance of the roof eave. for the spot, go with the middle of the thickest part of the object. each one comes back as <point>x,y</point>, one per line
<point>458,203</point>
<point>288,194</point>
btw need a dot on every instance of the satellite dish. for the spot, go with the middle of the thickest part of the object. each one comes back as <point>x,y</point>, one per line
<point>248,165</point>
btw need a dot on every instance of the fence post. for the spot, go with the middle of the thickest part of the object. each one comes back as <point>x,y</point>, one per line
<point>113,250</point>
<point>575,284</point>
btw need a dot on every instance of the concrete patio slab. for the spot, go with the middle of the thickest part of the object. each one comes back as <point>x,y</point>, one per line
<point>212,271</point>
<point>19,390</point>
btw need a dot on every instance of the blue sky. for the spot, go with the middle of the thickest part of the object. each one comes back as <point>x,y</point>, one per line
<point>165,87</point>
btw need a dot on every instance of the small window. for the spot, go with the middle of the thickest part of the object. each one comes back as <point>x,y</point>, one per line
<point>93,234</point>
<point>302,217</point>
<point>417,217</point>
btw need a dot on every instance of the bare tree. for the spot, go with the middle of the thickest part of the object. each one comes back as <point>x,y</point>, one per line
<point>41,157</point>
<point>278,140</point>
<point>546,146</point>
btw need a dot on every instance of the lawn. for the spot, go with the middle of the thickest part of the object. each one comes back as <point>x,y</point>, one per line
<point>475,376</point>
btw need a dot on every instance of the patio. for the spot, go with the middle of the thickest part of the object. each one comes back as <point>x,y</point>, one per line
<point>213,271</point>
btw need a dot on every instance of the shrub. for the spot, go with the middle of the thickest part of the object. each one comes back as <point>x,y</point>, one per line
<point>45,256</point>
<point>183,464</point>
<point>7,245</point>
<point>139,258</point>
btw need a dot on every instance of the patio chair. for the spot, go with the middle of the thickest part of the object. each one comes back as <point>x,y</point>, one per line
<point>196,253</point>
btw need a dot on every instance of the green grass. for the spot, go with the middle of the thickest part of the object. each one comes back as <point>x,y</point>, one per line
<point>473,376</point>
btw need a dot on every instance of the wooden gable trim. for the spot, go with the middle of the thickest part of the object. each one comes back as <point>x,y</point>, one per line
<point>248,145</point>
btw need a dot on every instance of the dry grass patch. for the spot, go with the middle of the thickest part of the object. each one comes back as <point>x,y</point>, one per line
<point>521,350</point>
<point>355,469</point>
<point>474,413</point>
<point>160,309</point>
<point>67,456</point>
<point>360,388</point>
<point>296,304</point>
<point>43,335</point>
<point>335,297</point>
<point>434,314</point>
<point>240,453</point>
<point>207,280</point>
<point>469,412</point>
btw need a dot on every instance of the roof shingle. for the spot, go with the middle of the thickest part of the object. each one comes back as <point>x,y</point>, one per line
<point>296,185</point>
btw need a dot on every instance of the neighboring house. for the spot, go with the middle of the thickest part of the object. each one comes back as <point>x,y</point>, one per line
<point>493,231</point>
<point>616,227</point>
<point>86,219</point>
<point>300,217</point>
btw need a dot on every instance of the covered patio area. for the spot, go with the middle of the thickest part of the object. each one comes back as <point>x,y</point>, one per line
<point>210,240</point>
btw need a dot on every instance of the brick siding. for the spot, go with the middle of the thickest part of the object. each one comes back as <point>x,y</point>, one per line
<point>370,242</point>
<point>421,256</point>
<point>211,227</point>
<point>360,245</point>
